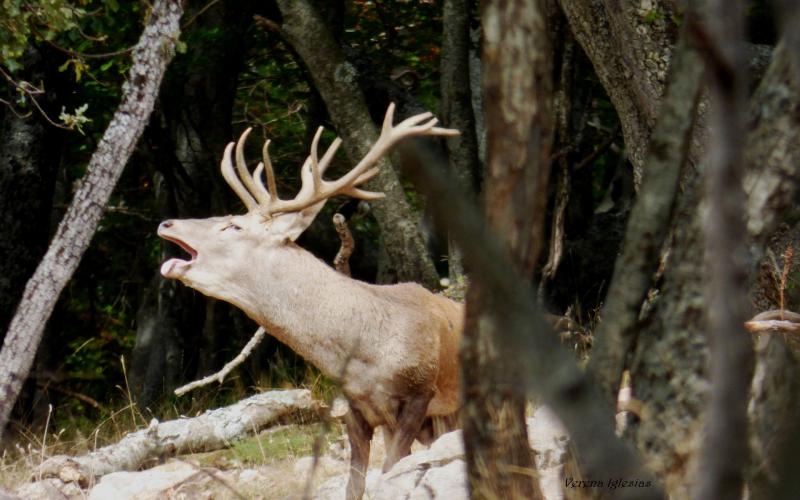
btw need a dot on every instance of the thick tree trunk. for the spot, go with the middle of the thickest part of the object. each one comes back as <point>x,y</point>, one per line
<point>150,58</point>
<point>629,45</point>
<point>336,81</point>
<point>518,83</point>
<point>178,330</point>
<point>772,154</point>
<point>29,155</point>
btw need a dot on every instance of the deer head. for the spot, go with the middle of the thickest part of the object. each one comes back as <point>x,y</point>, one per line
<point>222,249</point>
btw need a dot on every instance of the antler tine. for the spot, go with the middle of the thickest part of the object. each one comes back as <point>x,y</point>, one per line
<point>244,173</point>
<point>271,186</point>
<point>316,175</point>
<point>325,162</point>
<point>257,173</point>
<point>233,180</point>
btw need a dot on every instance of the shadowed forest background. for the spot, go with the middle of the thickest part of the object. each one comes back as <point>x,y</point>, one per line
<point>624,93</point>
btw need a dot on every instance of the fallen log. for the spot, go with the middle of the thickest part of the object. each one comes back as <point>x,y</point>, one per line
<point>212,430</point>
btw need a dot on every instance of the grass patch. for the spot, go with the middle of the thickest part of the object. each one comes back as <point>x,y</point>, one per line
<point>271,446</point>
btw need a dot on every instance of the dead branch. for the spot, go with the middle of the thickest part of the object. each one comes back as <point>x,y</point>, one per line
<point>212,430</point>
<point>341,261</point>
<point>219,377</point>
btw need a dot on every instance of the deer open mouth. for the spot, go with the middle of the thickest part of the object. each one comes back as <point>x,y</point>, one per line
<point>172,266</point>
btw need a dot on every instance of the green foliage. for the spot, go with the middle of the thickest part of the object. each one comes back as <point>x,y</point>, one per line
<point>653,15</point>
<point>21,21</point>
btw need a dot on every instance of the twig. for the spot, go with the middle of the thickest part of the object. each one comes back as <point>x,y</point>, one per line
<point>270,25</point>
<point>67,392</point>
<point>199,13</point>
<point>31,91</point>
<point>220,375</point>
<point>82,55</point>
<point>599,149</point>
<point>341,261</point>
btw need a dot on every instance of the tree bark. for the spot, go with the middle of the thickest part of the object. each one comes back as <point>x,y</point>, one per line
<point>629,45</point>
<point>518,91</point>
<point>456,107</point>
<point>772,153</point>
<point>150,58</point>
<point>336,81</point>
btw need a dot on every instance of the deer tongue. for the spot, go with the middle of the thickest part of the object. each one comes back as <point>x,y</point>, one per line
<point>169,268</point>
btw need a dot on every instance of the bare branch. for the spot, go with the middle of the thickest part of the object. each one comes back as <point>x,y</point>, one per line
<point>341,261</point>
<point>219,377</point>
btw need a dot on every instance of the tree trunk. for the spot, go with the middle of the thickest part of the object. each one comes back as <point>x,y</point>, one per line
<point>518,84</point>
<point>29,155</point>
<point>725,454</point>
<point>630,47</point>
<point>456,107</point>
<point>336,81</point>
<point>150,58</point>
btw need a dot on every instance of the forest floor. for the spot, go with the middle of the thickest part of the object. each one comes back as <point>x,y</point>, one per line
<point>277,463</point>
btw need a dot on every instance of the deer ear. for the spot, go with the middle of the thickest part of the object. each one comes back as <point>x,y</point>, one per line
<point>292,225</point>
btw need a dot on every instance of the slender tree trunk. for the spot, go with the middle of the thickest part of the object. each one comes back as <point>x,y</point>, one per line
<point>456,107</point>
<point>518,82</point>
<point>336,81</point>
<point>725,452</point>
<point>150,58</point>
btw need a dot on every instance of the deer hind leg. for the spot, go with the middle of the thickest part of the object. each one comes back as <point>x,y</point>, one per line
<point>359,432</point>
<point>410,420</point>
<point>434,427</point>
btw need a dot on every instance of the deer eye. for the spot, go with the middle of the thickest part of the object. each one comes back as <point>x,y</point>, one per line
<point>232,226</point>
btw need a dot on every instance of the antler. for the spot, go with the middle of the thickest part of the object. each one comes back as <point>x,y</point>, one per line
<point>314,189</point>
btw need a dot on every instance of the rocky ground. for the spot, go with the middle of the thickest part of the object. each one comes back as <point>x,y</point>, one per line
<point>435,473</point>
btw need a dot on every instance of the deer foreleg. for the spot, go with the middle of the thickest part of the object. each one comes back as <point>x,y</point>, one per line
<point>359,432</point>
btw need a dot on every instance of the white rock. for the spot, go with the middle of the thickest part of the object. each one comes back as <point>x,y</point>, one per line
<point>440,471</point>
<point>335,487</point>
<point>143,485</point>
<point>46,489</point>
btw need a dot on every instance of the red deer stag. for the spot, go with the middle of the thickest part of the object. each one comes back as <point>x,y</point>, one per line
<point>393,347</point>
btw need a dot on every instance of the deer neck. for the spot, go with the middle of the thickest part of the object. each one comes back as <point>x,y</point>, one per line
<point>305,304</point>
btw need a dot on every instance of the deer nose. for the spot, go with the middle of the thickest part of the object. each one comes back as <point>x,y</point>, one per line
<point>165,225</point>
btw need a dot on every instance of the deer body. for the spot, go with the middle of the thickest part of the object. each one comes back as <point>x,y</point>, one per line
<point>393,347</point>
